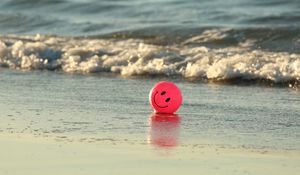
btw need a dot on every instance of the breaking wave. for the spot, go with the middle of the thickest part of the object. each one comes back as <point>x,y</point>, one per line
<point>189,58</point>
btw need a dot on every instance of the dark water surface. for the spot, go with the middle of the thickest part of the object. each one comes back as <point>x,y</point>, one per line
<point>86,17</point>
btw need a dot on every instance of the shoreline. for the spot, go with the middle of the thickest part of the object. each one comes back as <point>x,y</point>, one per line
<point>209,146</point>
<point>37,155</point>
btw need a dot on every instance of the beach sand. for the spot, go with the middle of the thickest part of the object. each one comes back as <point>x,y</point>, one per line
<point>24,154</point>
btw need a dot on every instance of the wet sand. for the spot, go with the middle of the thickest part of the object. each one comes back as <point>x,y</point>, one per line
<point>24,154</point>
<point>52,123</point>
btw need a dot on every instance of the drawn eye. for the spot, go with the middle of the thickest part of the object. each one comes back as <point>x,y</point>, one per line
<point>168,99</point>
<point>163,93</point>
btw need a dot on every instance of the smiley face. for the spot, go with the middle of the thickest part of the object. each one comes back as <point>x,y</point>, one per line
<point>165,97</point>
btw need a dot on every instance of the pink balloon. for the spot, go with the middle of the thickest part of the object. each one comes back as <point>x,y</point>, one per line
<point>165,97</point>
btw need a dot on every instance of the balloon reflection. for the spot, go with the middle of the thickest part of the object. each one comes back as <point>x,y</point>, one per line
<point>164,130</point>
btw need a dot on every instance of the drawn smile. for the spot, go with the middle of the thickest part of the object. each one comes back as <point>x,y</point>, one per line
<point>156,103</point>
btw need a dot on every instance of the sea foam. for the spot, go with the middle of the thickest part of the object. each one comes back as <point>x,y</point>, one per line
<point>130,57</point>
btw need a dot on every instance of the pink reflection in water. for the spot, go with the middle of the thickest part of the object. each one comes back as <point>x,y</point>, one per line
<point>164,130</point>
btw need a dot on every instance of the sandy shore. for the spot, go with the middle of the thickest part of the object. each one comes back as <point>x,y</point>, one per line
<point>25,154</point>
<point>96,127</point>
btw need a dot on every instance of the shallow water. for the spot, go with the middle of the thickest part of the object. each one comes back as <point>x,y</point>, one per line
<point>105,108</point>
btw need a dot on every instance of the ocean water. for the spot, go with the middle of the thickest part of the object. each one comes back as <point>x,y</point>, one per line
<point>226,41</point>
<point>92,17</point>
<point>82,70</point>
